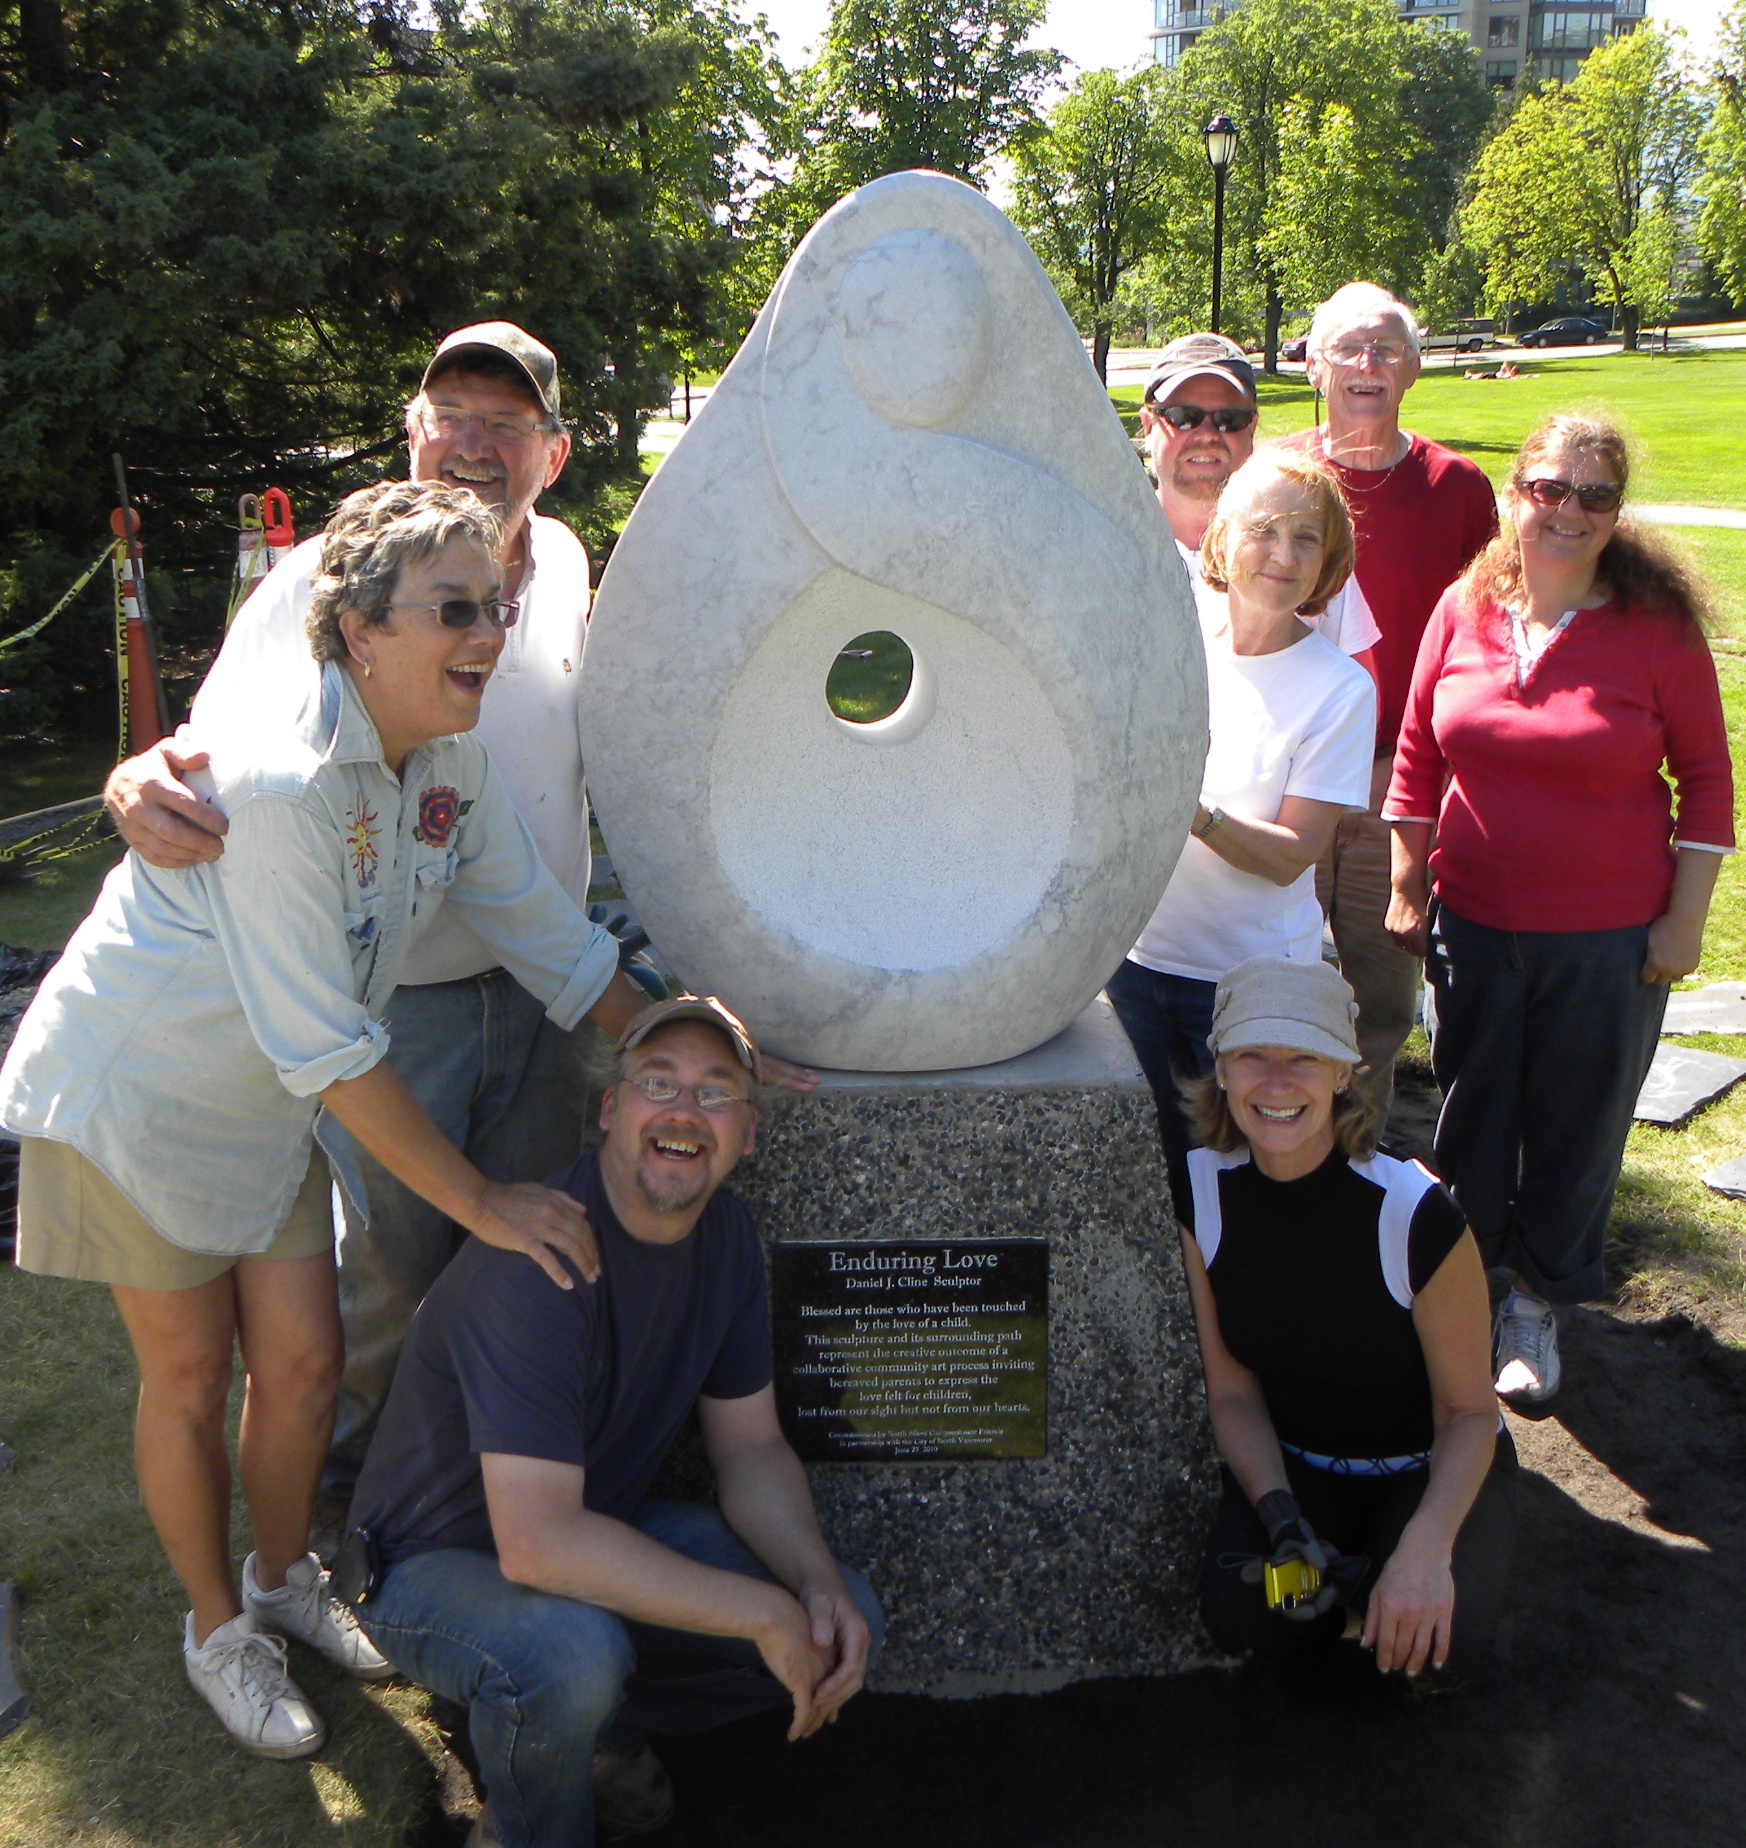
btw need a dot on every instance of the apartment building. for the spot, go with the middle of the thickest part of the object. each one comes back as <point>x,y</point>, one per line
<point>1555,35</point>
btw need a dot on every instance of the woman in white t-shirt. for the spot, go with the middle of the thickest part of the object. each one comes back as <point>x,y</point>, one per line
<point>1292,722</point>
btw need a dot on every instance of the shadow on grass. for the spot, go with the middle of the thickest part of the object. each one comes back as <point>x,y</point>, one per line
<point>120,1750</point>
<point>1468,447</point>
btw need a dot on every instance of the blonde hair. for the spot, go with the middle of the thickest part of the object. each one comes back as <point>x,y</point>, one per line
<point>1339,546</point>
<point>375,534</point>
<point>1357,1118</point>
<point>1645,576</point>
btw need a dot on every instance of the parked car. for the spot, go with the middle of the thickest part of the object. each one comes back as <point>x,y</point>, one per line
<point>1567,330</point>
<point>1465,341</point>
<point>1295,349</point>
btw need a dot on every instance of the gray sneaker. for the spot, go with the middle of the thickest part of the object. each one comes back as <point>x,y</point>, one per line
<point>240,1673</point>
<point>304,1609</point>
<point>1525,1344</point>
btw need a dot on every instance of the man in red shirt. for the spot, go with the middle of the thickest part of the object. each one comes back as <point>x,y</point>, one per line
<point>1421,513</point>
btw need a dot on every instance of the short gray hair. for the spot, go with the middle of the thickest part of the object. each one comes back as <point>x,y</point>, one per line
<point>1359,301</point>
<point>374,536</point>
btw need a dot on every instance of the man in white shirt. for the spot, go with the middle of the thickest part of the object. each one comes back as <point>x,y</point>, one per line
<point>1198,416</point>
<point>475,1048</point>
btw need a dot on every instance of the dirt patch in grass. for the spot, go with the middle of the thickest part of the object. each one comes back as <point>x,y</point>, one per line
<point>1621,1717</point>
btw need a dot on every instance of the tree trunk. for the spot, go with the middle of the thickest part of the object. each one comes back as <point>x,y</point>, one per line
<point>1100,337</point>
<point>1275,308</point>
<point>1629,321</point>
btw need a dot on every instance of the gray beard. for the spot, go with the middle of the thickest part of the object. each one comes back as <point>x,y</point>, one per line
<point>681,1191</point>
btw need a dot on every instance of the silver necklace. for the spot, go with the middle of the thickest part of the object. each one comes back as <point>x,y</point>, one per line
<point>1352,487</point>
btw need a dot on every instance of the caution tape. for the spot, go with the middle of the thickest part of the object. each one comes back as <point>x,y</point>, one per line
<point>59,842</point>
<point>36,628</point>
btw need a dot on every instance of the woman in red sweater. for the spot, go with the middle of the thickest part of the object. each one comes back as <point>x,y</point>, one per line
<point>1555,680</point>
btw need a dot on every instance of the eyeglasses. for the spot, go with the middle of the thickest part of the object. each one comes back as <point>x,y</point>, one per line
<point>1594,496</point>
<point>710,1097</point>
<point>1349,352</point>
<point>463,612</point>
<point>1192,416</point>
<point>445,424</point>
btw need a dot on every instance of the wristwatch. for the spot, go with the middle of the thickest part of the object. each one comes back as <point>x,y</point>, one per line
<point>1213,821</point>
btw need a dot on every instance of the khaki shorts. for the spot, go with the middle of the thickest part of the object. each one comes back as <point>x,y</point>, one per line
<point>73,1221</point>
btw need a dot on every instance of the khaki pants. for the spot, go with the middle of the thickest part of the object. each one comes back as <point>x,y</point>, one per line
<point>1353,886</point>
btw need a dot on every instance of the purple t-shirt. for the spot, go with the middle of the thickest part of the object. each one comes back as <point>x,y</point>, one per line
<point>499,1359</point>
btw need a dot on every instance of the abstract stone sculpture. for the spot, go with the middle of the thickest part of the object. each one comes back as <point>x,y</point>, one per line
<point>911,439</point>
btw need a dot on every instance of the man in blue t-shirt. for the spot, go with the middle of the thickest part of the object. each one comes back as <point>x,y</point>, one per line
<point>526,1572</point>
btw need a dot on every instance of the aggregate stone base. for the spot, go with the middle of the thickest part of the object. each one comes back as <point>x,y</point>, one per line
<point>1017,1577</point>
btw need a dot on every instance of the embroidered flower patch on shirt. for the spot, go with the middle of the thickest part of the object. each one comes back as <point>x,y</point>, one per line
<point>438,811</point>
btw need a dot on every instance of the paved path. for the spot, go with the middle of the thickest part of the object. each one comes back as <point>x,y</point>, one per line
<point>1672,515</point>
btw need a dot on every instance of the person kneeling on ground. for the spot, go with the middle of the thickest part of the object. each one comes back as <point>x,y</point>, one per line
<point>1345,1333</point>
<point>525,1571</point>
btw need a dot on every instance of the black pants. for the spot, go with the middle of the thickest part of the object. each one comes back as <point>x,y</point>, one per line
<point>1542,1042</point>
<point>1362,1515</point>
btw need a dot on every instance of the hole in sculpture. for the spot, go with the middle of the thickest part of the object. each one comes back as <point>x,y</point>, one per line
<point>870,678</point>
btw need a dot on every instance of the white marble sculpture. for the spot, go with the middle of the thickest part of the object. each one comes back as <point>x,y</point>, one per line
<point>911,439</point>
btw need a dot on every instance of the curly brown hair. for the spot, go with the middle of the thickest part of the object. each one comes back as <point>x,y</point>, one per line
<point>1643,573</point>
<point>1339,546</point>
<point>375,534</point>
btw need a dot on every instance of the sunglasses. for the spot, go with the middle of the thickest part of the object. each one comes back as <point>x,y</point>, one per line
<point>463,612</point>
<point>1192,416</point>
<point>1593,496</point>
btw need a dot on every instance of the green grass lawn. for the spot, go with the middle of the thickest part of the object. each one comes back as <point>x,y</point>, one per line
<point>123,1756</point>
<point>39,908</point>
<point>1684,413</point>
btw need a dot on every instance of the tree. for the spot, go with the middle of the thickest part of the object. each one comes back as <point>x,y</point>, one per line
<point>1094,193</point>
<point>1447,104</point>
<point>945,84</point>
<point>1722,226</point>
<point>1341,208</point>
<point>1316,54</point>
<point>1451,288</point>
<point>230,234</point>
<point>1571,176</point>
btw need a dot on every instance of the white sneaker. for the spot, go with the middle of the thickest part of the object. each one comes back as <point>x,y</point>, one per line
<point>1525,1343</point>
<point>304,1609</point>
<point>241,1675</point>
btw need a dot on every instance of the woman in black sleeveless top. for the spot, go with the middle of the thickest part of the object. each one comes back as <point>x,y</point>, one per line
<point>1346,1337</point>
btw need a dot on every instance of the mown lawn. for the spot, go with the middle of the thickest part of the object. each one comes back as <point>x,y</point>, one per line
<point>1684,413</point>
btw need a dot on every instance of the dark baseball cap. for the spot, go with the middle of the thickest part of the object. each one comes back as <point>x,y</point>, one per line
<point>1200,356</point>
<point>502,340</point>
<point>706,1008</point>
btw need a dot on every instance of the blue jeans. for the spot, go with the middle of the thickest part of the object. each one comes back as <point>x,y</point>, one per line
<point>508,1088</point>
<point>545,1678</point>
<point>1167,1017</point>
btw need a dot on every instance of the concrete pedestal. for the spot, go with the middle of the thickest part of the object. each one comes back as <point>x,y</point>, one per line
<point>1017,1577</point>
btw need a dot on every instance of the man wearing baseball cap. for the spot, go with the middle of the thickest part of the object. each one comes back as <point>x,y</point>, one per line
<point>494,1074</point>
<point>1198,415</point>
<point>523,1569</point>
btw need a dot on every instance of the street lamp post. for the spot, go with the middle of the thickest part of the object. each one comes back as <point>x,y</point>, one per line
<point>1220,136</point>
